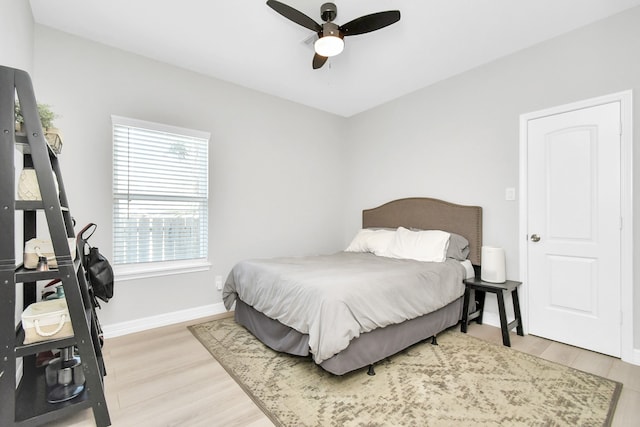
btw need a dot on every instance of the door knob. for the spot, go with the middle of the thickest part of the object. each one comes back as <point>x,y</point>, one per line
<point>535,238</point>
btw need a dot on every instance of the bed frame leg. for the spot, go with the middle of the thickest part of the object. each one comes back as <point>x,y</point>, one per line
<point>434,341</point>
<point>371,372</point>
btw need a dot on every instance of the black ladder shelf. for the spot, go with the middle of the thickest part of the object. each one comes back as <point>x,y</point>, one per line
<point>23,400</point>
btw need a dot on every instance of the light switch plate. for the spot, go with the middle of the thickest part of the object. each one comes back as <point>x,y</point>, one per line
<point>510,193</point>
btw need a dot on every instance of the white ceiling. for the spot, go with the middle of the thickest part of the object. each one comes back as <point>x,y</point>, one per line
<point>247,43</point>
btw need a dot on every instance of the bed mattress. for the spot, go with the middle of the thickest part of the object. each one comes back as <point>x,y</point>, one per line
<point>335,298</point>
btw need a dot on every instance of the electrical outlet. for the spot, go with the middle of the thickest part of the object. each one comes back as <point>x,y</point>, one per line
<point>219,282</point>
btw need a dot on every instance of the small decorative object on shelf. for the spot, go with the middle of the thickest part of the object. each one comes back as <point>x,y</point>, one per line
<point>28,188</point>
<point>54,139</point>
<point>47,116</point>
<point>42,264</point>
<point>46,320</point>
<point>64,377</point>
<point>34,249</point>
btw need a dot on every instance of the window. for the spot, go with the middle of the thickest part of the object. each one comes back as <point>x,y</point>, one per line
<point>160,198</point>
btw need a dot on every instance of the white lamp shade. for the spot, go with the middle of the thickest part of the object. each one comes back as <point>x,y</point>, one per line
<point>329,46</point>
<point>493,265</point>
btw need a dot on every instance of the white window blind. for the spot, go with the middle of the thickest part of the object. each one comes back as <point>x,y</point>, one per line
<point>160,192</point>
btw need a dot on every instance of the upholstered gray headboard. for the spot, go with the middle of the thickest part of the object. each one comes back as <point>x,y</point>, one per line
<point>430,214</point>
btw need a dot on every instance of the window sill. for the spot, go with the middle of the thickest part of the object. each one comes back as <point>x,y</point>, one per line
<point>157,269</point>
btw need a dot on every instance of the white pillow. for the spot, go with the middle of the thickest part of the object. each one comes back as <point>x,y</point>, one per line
<point>360,242</point>
<point>425,245</point>
<point>374,241</point>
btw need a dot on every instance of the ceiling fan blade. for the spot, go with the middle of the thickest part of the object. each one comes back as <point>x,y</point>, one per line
<point>368,23</point>
<point>294,15</point>
<point>318,61</point>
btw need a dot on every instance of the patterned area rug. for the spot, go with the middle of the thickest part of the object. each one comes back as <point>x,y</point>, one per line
<point>461,381</point>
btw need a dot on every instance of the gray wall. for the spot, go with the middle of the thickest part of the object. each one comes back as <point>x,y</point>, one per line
<point>275,180</point>
<point>458,139</point>
<point>16,30</point>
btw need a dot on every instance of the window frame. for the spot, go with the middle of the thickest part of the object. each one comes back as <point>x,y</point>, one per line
<point>133,271</point>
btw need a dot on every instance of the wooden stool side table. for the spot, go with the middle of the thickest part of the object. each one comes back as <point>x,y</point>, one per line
<point>499,289</point>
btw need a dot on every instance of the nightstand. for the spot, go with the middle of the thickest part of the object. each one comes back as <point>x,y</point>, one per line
<point>481,287</point>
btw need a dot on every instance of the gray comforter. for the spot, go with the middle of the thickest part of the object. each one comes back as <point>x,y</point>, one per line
<point>335,298</point>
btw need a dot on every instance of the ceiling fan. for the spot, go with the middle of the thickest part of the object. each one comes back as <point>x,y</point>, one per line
<point>330,35</point>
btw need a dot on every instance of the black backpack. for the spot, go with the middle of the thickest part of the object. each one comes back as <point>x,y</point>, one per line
<point>98,270</point>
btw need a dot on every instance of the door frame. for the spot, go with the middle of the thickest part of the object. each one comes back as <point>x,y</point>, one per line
<point>626,211</point>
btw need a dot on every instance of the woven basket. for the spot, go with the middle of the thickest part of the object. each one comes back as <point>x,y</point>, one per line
<point>54,139</point>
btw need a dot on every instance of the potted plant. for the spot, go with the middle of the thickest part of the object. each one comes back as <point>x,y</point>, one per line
<point>46,116</point>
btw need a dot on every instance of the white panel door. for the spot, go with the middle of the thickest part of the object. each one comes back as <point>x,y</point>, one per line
<point>574,227</point>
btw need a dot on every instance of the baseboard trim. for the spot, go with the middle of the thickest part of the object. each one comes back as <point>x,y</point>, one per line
<point>145,323</point>
<point>493,320</point>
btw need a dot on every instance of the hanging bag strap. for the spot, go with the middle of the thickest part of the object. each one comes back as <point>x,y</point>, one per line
<point>85,229</point>
<point>88,229</point>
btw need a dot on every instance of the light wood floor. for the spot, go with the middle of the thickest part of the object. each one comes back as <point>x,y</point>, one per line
<point>164,377</point>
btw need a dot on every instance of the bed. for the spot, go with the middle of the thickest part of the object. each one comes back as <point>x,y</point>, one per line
<point>315,318</point>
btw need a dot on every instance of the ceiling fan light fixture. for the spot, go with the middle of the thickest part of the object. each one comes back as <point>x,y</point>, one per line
<point>331,41</point>
<point>330,36</point>
<point>329,46</point>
